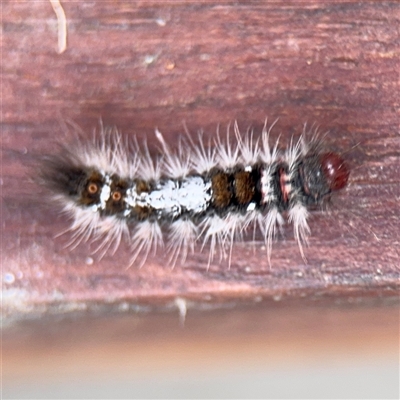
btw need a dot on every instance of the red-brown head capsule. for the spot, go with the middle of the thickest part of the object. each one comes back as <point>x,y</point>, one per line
<point>335,170</point>
<point>321,174</point>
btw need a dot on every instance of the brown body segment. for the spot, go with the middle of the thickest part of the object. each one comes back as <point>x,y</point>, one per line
<point>222,195</point>
<point>244,187</point>
<point>115,204</point>
<point>91,192</point>
<point>142,213</point>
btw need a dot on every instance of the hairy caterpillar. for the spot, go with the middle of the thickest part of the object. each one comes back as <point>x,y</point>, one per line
<point>111,187</point>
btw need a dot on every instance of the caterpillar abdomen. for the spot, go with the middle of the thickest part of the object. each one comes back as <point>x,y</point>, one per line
<point>111,187</point>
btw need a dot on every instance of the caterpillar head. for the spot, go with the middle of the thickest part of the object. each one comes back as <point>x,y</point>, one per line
<point>322,174</point>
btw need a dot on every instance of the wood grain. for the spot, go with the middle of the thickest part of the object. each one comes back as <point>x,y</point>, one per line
<point>141,65</point>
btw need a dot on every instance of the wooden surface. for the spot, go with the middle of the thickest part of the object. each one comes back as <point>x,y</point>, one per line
<point>141,65</point>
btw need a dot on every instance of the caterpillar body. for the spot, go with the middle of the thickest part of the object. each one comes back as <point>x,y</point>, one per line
<point>111,187</point>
